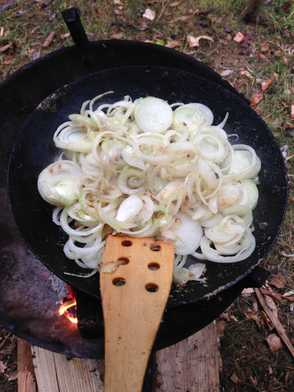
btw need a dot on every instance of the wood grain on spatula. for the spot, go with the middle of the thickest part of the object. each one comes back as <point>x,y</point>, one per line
<point>134,297</point>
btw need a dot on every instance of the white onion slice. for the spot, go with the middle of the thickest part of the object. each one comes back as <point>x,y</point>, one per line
<point>129,208</point>
<point>153,114</point>
<point>187,234</point>
<point>60,183</point>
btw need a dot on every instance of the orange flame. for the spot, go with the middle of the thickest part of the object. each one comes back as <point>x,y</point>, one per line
<point>64,310</point>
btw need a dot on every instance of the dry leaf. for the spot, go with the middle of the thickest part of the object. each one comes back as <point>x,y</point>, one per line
<point>239,37</point>
<point>3,367</point>
<point>117,2</point>
<point>5,48</point>
<point>193,42</point>
<point>173,44</point>
<point>244,72</point>
<point>247,292</point>
<point>182,18</point>
<point>65,35</point>
<point>274,342</point>
<point>278,281</point>
<point>227,72</point>
<point>2,32</point>
<point>48,41</point>
<point>292,111</point>
<point>149,14</point>
<point>256,98</point>
<point>175,3</point>
<point>234,378</point>
<point>265,84</point>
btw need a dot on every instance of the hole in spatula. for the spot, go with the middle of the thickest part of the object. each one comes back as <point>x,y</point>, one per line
<point>123,260</point>
<point>151,287</point>
<point>119,282</point>
<point>153,266</point>
<point>126,243</point>
<point>155,247</point>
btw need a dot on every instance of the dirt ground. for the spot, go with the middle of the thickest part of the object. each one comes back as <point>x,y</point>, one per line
<point>256,57</point>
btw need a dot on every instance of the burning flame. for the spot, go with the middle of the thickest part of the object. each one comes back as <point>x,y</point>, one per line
<point>64,310</point>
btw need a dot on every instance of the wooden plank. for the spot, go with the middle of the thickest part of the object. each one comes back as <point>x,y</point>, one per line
<point>192,365</point>
<point>26,381</point>
<point>55,373</point>
<point>133,309</point>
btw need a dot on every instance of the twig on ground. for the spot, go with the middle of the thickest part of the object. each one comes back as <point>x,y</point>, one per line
<point>275,321</point>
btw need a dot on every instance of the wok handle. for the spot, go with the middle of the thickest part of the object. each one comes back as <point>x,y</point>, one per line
<point>71,17</point>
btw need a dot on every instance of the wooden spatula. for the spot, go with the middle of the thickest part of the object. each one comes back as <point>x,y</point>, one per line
<point>134,297</point>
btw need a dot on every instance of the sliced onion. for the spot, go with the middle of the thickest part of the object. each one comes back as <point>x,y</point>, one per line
<point>246,201</point>
<point>129,208</point>
<point>213,255</point>
<point>131,180</point>
<point>60,183</point>
<point>192,114</point>
<point>187,234</point>
<point>153,114</point>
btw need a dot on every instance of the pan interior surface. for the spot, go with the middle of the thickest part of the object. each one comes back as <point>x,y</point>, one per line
<point>34,150</point>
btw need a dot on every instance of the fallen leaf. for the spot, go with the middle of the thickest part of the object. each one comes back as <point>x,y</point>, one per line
<point>274,342</point>
<point>48,41</point>
<point>234,378</point>
<point>65,35</point>
<point>182,18</point>
<point>256,98</point>
<point>3,367</point>
<point>227,72</point>
<point>175,3</point>
<point>5,47</point>
<point>194,42</point>
<point>173,44</point>
<point>278,281</point>
<point>292,112</point>
<point>239,37</point>
<point>117,2</point>
<point>265,84</point>
<point>149,14</point>
<point>246,73</point>
<point>247,292</point>
<point>2,32</point>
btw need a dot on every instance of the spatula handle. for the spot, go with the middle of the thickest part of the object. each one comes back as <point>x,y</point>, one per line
<point>133,299</point>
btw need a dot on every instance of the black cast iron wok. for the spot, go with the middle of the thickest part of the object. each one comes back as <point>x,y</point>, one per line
<point>34,150</point>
